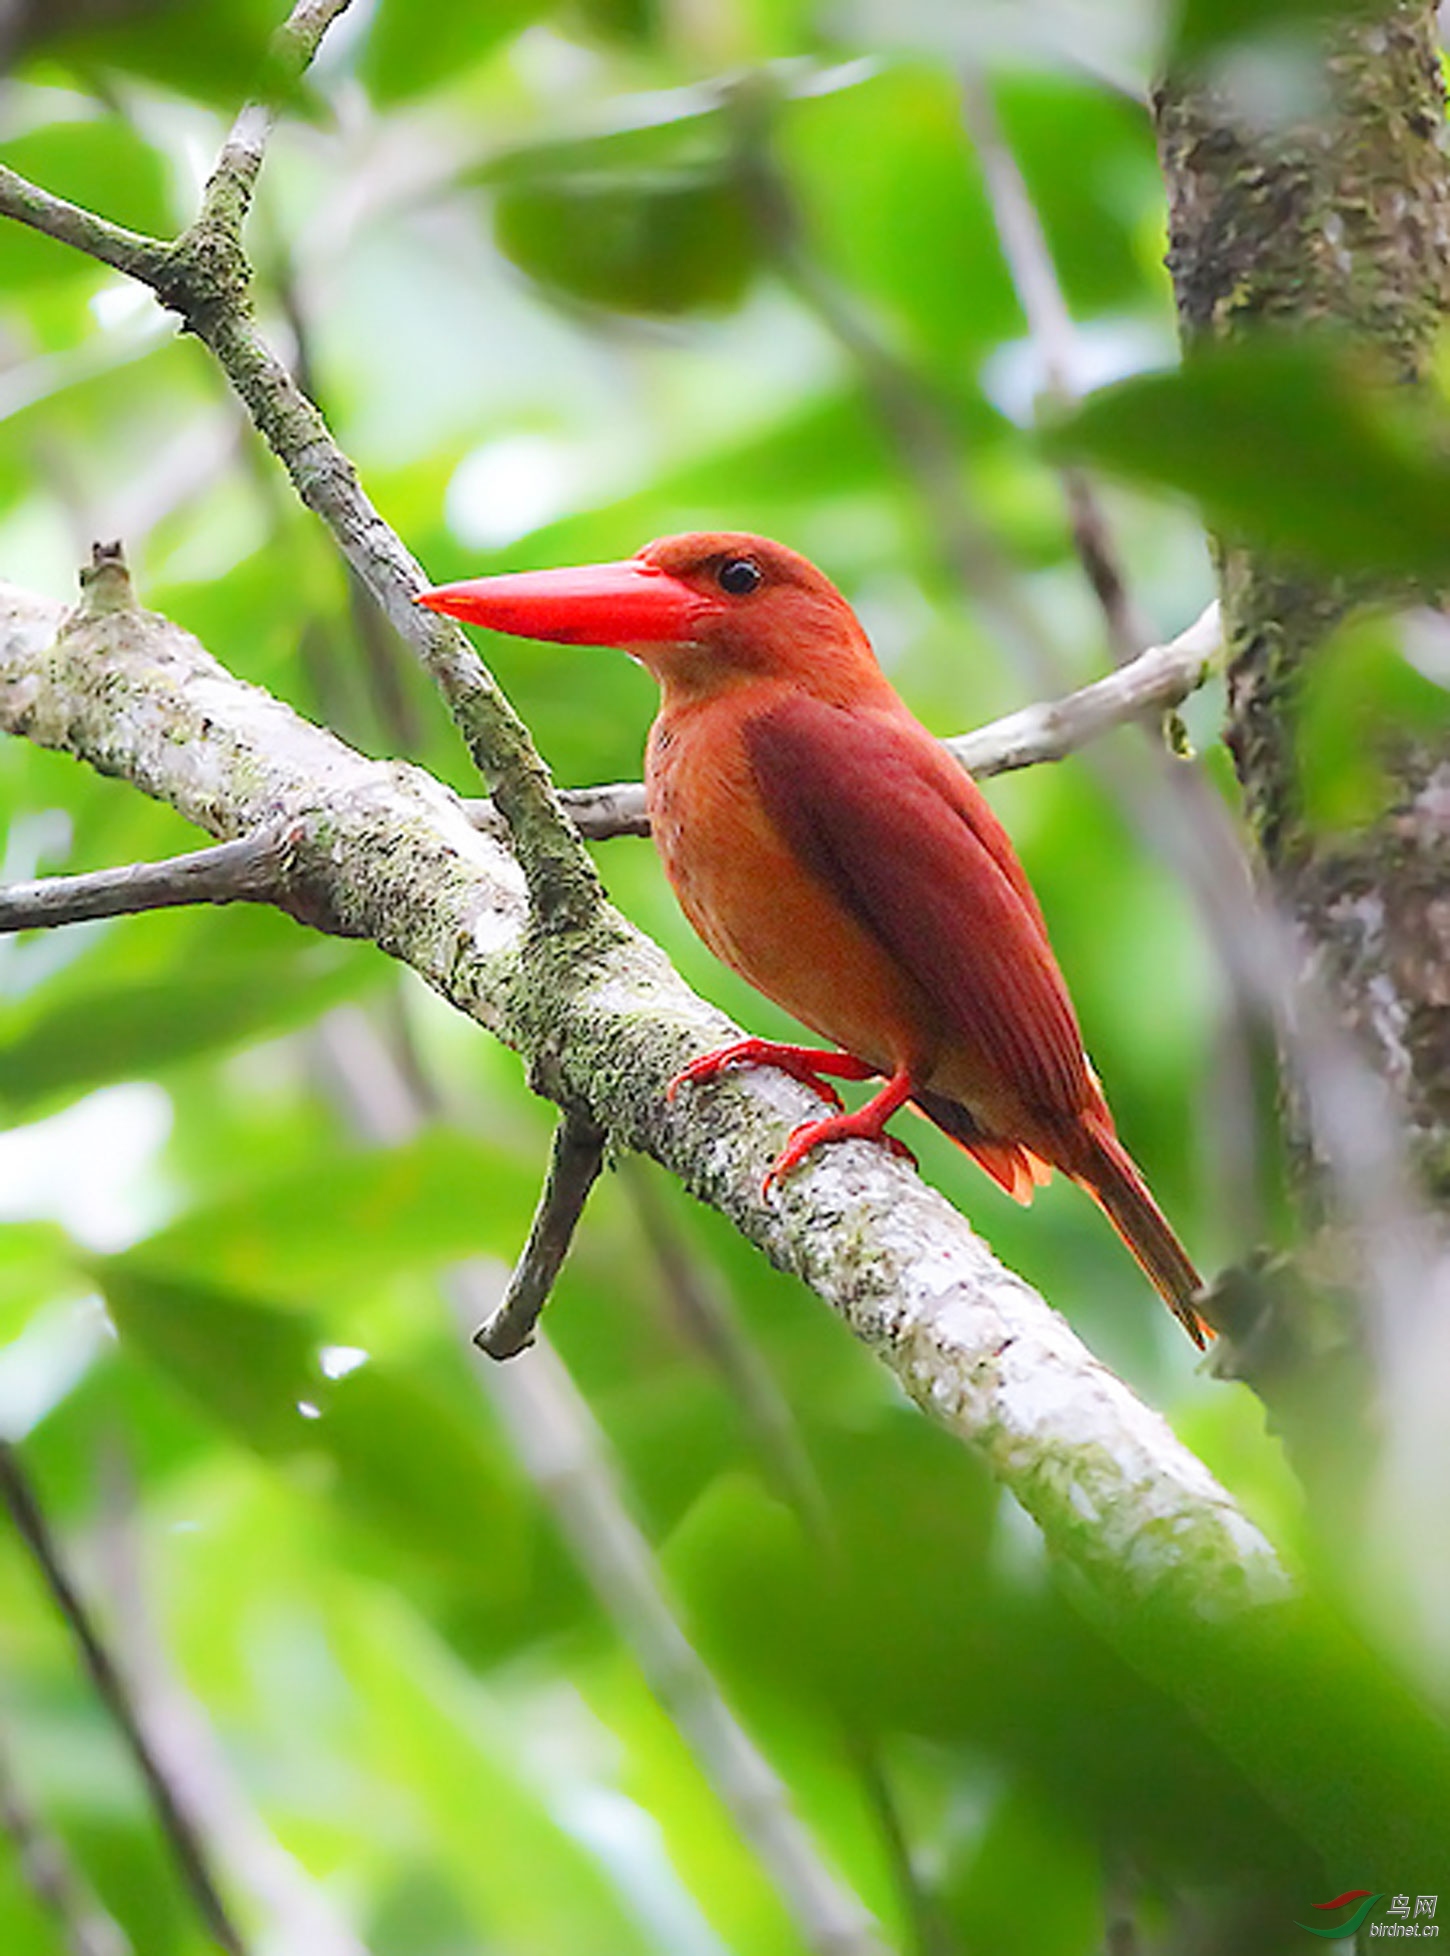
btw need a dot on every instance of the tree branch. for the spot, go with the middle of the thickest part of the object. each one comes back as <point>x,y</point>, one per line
<point>227,197</point>
<point>1157,680</point>
<point>186,1844</point>
<point>253,869</point>
<point>557,1441</point>
<point>556,1437</point>
<point>206,278</point>
<point>295,1915</point>
<point>575,1159</point>
<point>386,852</point>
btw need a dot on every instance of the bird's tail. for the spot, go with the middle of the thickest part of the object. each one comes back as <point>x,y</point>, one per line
<point>1096,1160</point>
<point>1108,1172</point>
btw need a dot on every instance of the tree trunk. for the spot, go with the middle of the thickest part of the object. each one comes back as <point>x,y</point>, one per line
<point>1334,216</point>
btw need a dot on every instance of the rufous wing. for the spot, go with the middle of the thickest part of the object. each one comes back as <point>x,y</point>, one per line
<point>876,810</point>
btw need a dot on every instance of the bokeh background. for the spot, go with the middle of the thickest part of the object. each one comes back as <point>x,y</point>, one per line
<point>564,278</point>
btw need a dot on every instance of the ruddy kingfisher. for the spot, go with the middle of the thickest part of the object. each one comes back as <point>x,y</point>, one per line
<point>829,849</point>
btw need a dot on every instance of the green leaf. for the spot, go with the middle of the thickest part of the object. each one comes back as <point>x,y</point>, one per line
<point>407,1461</point>
<point>1363,704</point>
<point>354,1219</point>
<point>893,201</point>
<point>70,1036</point>
<point>656,246</point>
<point>489,1813</point>
<point>412,48</point>
<point>1034,1885</point>
<point>37,1263</point>
<point>1296,447</point>
<point>214,53</point>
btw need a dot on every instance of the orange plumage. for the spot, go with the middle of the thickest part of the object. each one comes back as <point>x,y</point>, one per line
<point>828,848</point>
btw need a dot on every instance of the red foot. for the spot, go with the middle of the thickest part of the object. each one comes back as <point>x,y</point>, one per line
<point>868,1123</point>
<point>803,1063</point>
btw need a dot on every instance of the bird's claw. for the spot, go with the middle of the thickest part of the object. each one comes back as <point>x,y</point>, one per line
<point>754,1052</point>
<point>805,1139</point>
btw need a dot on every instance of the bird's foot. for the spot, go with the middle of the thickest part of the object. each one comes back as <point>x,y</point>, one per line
<point>803,1063</point>
<point>867,1123</point>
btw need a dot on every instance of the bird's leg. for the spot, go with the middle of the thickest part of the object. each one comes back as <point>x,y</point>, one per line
<point>868,1123</point>
<point>803,1063</point>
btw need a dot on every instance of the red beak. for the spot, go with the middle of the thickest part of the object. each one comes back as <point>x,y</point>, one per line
<point>625,604</point>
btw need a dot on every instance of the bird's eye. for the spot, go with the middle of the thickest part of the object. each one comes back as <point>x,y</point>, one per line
<point>739,576</point>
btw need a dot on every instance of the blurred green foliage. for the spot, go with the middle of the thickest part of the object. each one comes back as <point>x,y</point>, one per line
<point>512,248</point>
<point>1361,479</point>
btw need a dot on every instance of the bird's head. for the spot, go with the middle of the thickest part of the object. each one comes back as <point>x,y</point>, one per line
<point>704,612</point>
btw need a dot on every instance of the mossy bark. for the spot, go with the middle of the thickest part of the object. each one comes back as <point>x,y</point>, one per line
<point>1335,216</point>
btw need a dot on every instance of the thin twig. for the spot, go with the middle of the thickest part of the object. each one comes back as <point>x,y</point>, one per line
<point>251,869</point>
<point>52,1877</point>
<point>1155,681</point>
<point>227,197</point>
<point>190,1851</point>
<point>705,1306</point>
<point>206,277</point>
<point>254,868</point>
<point>556,1437</point>
<point>132,252</point>
<point>296,1916</point>
<point>1039,292</point>
<point>575,1159</point>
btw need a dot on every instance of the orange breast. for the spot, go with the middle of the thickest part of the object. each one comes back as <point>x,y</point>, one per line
<point>761,912</point>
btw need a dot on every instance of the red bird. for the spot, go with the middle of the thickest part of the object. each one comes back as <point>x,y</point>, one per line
<point>828,848</point>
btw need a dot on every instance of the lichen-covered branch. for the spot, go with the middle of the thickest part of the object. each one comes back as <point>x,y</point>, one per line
<point>382,850</point>
<point>1158,1551</point>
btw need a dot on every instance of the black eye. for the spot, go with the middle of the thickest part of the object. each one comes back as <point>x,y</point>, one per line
<point>739,576</point>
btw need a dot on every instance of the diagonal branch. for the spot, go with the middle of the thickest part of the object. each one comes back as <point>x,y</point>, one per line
<point>556,1437</point>
<point>227,197</point>
<point>82,1926</point>
<point>558,1442</point>
<point>205,276</point>
<point>386,852</point>
<point>192,1859</point>
<point>1168,1565</point>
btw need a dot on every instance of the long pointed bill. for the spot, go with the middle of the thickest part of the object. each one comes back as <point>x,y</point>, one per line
<point>625,604</point>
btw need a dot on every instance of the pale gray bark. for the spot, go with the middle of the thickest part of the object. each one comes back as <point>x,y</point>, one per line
<point>383,851</point>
